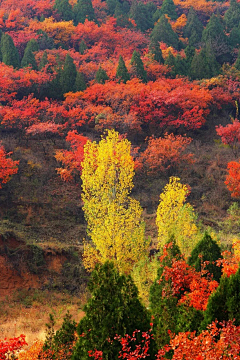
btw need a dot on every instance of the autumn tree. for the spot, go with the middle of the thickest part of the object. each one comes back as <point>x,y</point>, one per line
<point>115,302</point>
<point>113,218</point>
<point>8,167</point>
<point>233,178</point>
<point>138,67</point>
<point>175,217</point>
<point>122,72</point>
<point>10,54</point>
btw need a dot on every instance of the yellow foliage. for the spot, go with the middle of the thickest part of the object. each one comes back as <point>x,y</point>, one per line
<point>114,219</point>
<point>60,31</point>
<point>144,274</point>
<point>32,353</point>
<point>236,246</point>
<point>176,218</point>
<point>179,24</point>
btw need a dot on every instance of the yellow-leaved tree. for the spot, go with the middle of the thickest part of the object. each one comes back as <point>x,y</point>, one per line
<point>114,222</point>
<point>176,218</point>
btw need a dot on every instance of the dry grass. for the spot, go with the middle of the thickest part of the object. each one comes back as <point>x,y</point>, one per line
<point>17,317</point>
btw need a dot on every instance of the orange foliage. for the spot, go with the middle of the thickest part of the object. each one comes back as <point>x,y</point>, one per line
<point>179,24</point>
<point>229,262</point>
<point>32,353</point>
<point>164,153</point>
<point>204,6</point>
<point>233,178</point>
<point>8,167</point>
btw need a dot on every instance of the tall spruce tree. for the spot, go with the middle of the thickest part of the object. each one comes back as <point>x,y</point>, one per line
<point>83,9</point>
<point>138,67</point>
<point>10,55</point>
<point>80,84</point>
<point>0,46</point>
<point>206,250</point>
<point>114,308</point>
<point>237,63</point>
<point>168,8</point>
<point>142,15</point>
<point>232,15</point>
<point>154,49</point>
<point>82,47</point>
<point>101,76</point>
<point>64,9</point>
<point>193,28</point>
<point>122,72</point>
<point>43,61</point>
<point>234,37</point>
<point>68,75</point>
<point>204,64</point>
<point>33,45</point>
<point>29,59</point>
<point>163,31</point>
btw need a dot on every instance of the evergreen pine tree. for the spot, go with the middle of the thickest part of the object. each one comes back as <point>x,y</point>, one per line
<point>204,64</point>
<point>155,50</point>
<point>101,76</point>
<point>224,303</point>
<point>168,8</point>
<point>190,52</point>
<point>237,63</point>
<point>83,9</point>
<point>234,37</point>
<point>64,9</point>
<point>80,84</point>
<point>142,15</point>
<point>138,66</point>
<point>10,54</point>
<point>111,4</point>
<point>232,15</point>
<point>44,41</point>
<point>214,35</point>
<point>181,67</point>
<point>43,61</point>
<point>33,45</point>
<point>0,43</point>
<point>163,31</point>
<point>193,28</point>
<point>206,250</point>
<point>82,47</point>
<point>68,75</point>
<point>121,15</point>
<point>114,308</point>
<point>29,59</point>
<point>122,72</point>
<point>170,61</point>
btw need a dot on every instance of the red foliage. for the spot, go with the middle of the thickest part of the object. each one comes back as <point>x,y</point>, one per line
<point>9,347</point>
<point>230,135</point>
<point>72,159</point>
<point>229,263</point>
<point>8,166</point>
<point>233,178</point>
<point>212,344</point>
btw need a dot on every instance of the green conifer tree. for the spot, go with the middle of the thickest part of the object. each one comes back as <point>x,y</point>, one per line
<point>10,55</point>
<point>101,76</point>
<point>0,43</point>
<point>33,45</point>
<point>29,59</point>
<point>170,61</point>
<point>64,9</point>
<point>193,28</point>
<point>168,8</point>
<point>68,75</point>
<point>114,308</point>
<point>206,250</point>
<point>138,67</point>
<point>142,15</point>
<point>122,72</point>
<point>163,31</point>
<point>82,47</point>
<point>234,37</point>
<point>204,64</point>
<point>83,9</point>
<point>237,63</point>
<point>155,50</point>
<point>232,15</point>
<point>43,61</point>
<point>80,84</point>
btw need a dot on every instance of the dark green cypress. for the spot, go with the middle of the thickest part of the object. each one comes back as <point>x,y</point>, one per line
<point>193,28</point>
<point>224,303</point>
<point>82,47</point>
<point>29,59</point>
<point>64,9</point>
<point>68,75</point>
<point>232,15</point>
<point>10,55</point>
<point>0,46</point>
<point>204,65</point>
<point>138,67</point>
<point>237,63</point>
<point>43,61</point>
<point>163,31</point>
<point>83,9</point>
<point>33,45</point>
<point>122,72</point>
<point>101,76</point>
<point>170,61</point>
<point>114,308</point>
<point>142,15</point>
<point>154,49</point>
<point>234,37</point>
<point>80,84</point>
<point>168,8</point>
<point>206,250</point>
